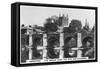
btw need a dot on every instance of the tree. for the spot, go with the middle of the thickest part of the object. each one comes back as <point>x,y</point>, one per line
<point>23,25</point>
<point>75,26</point>
<point>54,22</point>
<point>50,26</point>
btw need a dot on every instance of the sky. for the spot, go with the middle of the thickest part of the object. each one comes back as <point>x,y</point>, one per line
<point>32,15</point>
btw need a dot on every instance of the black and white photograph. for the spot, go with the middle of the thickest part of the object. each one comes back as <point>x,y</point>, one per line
<point>54,34</point>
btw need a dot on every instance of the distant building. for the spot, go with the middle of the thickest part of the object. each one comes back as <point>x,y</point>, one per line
<point>86,27</point>
<point>64,20</point>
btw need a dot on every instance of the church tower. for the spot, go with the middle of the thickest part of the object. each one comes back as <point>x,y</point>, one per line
<point>86,27</point>
<point>65,21</point>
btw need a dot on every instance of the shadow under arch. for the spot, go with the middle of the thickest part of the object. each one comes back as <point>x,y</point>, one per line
<point>69,42</point>
<point>53,42</point>
<point>37,41</point>
<point>89,39</point>
<point>88,45</point>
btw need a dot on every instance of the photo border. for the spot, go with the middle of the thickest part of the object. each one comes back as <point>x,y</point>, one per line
<point>17,13</point>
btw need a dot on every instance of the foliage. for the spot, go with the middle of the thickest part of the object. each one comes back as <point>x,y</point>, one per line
<point>50,25</point>
<point>75,26</point>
